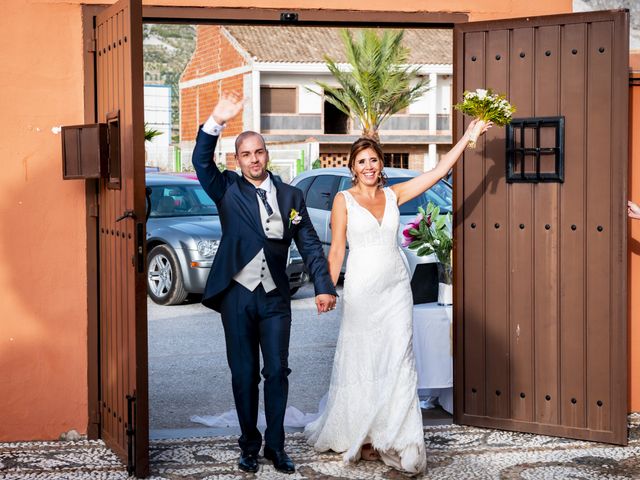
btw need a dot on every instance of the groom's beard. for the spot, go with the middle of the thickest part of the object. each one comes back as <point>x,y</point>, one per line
<point>257,177</point>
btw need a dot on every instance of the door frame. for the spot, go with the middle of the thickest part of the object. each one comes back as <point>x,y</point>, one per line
<point>89,13</point>
<point>212,16</point>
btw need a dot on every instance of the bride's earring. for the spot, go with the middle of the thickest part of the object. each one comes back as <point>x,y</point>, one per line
<point>354,179</point>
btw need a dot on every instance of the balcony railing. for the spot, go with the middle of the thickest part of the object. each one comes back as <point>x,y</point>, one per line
<point>290,122</point>
<point>415,124</point>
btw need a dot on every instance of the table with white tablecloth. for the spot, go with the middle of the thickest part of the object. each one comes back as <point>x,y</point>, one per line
<point>433,348</point>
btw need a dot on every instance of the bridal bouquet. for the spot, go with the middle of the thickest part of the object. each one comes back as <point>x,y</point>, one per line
<point>486,106</point>
<point>430,233</point>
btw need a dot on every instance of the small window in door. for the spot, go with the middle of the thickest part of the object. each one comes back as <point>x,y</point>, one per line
<point>322,192</point>
<point>113,139</point>
<point>535,150</point>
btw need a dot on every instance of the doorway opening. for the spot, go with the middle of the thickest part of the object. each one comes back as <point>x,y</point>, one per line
<point>189,381</point>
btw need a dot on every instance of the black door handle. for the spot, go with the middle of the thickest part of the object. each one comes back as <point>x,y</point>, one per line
<point>127,214</point>
<point>147,194</point>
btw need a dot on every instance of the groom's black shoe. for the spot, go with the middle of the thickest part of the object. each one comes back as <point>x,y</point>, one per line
<point>280,459</point>
<point>248,462</point>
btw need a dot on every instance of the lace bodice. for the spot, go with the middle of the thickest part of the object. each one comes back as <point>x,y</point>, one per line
<point>364,230</point>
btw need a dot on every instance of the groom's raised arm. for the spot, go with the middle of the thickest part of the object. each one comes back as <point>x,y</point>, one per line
<point>212,180</point>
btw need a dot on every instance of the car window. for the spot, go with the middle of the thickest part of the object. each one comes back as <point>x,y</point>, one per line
<point>345,183</point>
<point>440,194</point>
<point>180,201</point>
<point>322,191</point>
<point>304,184</point>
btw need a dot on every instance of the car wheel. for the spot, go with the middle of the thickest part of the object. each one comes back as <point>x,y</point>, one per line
<point>164,278</point>
<point>293,291</point>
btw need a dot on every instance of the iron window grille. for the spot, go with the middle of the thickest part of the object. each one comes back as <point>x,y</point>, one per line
<point>535,150</point>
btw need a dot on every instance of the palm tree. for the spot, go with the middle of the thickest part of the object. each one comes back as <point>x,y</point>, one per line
<point>379,81</point>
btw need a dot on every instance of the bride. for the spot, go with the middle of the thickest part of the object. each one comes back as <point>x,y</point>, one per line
<point>372,410</point>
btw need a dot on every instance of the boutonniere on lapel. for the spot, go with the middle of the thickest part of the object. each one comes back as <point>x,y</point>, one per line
<point>294,217</point>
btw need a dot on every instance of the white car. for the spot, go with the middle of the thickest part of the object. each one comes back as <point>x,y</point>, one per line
<point>320,187</point>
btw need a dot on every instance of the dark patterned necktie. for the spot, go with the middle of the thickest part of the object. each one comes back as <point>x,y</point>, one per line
<point>263,196</point>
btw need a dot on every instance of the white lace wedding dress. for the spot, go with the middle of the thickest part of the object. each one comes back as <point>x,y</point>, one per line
<point>373,392</point>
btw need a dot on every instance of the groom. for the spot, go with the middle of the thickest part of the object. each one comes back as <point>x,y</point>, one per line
<point>248,283</point>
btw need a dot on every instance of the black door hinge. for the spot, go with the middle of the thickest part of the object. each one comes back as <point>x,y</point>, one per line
<point>131,434</point>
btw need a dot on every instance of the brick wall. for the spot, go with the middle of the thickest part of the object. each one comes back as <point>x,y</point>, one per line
<point>334,159</point>
<point>416,161</point>
<point>213,54</point>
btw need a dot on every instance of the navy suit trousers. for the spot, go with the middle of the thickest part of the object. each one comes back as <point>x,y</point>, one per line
<point>253,322</point>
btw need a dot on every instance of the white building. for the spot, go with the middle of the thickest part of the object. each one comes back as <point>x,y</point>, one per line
<point>277,68</point>
<point>157,116</point>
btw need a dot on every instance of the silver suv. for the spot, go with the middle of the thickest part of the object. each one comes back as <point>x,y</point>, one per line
<point>183,234</point>
<point>320,187</point>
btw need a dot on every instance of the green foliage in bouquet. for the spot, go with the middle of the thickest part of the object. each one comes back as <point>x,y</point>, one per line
<point>429,233</point>
<point>487,106</point>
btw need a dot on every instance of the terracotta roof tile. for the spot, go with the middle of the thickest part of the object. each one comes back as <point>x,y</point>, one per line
<point>310,44</point>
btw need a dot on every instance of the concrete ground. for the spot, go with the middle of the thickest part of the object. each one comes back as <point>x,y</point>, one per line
<point>188,372</point>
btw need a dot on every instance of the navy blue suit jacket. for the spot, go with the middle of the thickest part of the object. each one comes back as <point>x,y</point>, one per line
<point>242,232</point>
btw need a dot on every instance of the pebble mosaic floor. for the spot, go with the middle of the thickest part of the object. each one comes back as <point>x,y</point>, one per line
<point>454,452</point>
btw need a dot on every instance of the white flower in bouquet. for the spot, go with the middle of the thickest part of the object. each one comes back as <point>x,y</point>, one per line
<point>486,106</point>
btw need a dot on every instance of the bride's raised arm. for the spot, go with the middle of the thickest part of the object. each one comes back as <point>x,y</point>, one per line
<point>410,189</point>
<point>338,237</point>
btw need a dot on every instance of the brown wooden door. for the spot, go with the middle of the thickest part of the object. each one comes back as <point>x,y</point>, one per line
<point>540,266</point>
<point>123,316</point>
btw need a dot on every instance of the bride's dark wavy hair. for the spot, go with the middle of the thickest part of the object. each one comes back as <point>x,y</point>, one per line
<point>362,144</point>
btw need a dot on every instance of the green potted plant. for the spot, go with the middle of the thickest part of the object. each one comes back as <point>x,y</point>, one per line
<point>430,233</point>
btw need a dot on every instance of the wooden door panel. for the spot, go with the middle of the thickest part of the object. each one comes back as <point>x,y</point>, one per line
<point>546,239</point>
<point>598,227</point>
<point>540,303</point>
<point>573,91</point>
<point>520,240</point>
<point>474,263</point>
<point>497,247</point>
<point>123,348</point>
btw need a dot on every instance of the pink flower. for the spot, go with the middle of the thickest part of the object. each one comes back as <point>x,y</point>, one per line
<point>415,223</point>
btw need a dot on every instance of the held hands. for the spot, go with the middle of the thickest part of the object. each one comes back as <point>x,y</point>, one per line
<point>325,302</point>
<point>229,105</point>
<point>633,210</point>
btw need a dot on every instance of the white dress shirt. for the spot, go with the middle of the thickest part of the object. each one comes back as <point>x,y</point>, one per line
<point>212,127</point>
<point>257,272</point>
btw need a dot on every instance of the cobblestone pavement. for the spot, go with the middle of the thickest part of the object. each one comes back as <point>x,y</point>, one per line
<point>453,452</point>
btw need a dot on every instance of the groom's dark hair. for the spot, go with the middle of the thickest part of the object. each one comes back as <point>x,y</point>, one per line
<point>362,144</point>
